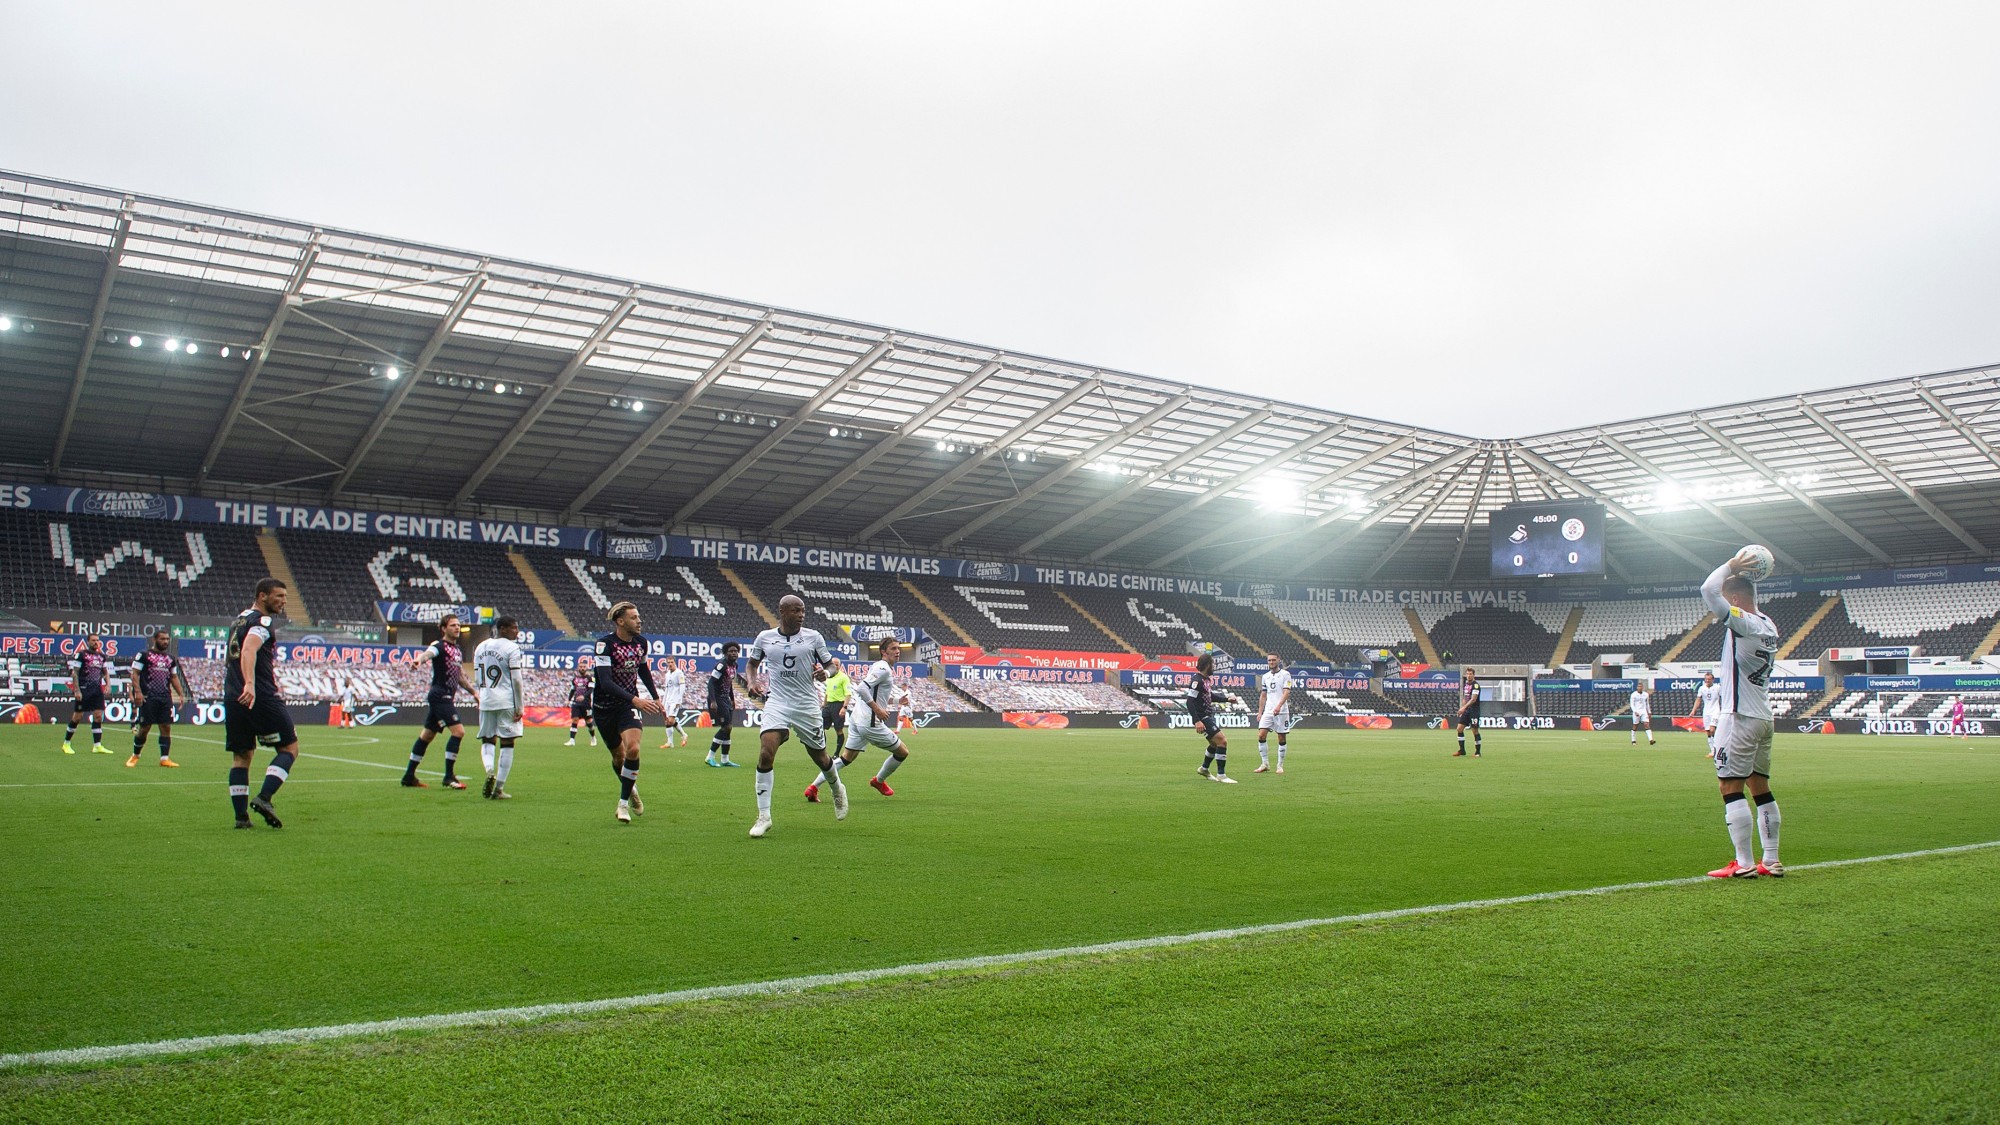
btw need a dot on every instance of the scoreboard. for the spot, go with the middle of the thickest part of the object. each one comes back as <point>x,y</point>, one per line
<point>1554,537</point>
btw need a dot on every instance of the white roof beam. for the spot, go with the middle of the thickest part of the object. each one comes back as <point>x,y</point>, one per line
<point>669,416</point>
<point>1064,471</point>
<point>1182,509</point>
<point>91,333</point>
<point>1958,532</point>
<point>1542,464</point>
<point>1748,533</point>
<point>255,368</point>
<point>958,471</point>
<point>1380,496</point>
<point>1737,451</point>
<point>1444,492</point>
<point>1132,488</point>
<point>1950,418</point>
<point>784,429</point>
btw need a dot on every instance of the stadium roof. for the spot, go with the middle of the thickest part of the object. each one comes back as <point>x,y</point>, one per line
<point>537,392</point>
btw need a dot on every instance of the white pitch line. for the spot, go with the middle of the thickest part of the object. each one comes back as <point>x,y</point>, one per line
<point>496,1016</point>
<point>159,784</point>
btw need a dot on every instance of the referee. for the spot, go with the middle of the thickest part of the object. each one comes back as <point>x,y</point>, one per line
<point>833,712</point>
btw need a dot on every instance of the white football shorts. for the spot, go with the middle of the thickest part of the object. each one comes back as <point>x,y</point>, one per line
<point>803,722</point>
<point>499,724</point>
<point>1277,722</point>
<point>861,735</point>
<point>1742,747</point>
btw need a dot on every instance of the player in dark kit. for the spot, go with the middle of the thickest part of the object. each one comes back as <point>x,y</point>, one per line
<point>622,663</point>
<point>579,702</point>
<point>722,704</point>
<point>253,713</point>
<point>1201,708</point>
<point>1468,712</point>
<point>88,672</point>
<point>447,663</point>
<point>154,694</point>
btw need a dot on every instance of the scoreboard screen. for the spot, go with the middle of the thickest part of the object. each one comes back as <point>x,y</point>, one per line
<point>1556,537</point>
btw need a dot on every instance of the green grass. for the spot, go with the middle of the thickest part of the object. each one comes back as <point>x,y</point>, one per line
<point>134,913</point>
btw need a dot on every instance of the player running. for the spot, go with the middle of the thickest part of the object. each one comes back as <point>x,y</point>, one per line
<point>673,689</point>
<point>871,719</point>
<point>1468,711</point>
<point>1708,701</point>
<point>496,669</point>
<point>579,702</point>
<point>1275,711</point>
<point>722,704</point>
<point>253,713</point>
<point>155,697</point>
<point>1743,736</point>
<point>1641,701</point>
<point>798,658</point>
<point>448,674</point>
<point>622,663</point>
<point>1201,708</point>
<point>89,674</point>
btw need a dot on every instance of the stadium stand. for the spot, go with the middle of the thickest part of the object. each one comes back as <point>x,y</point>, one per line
<point>1006,695</point>
<point>1013,614</point>
<point>1645,628</point>
<point>1422,701</point>
<point>1344,626</point>
<point>107,564</point>
<point>682,597</point>
<point>843,598</point>
<point>930,695</point>
<point>345,575</point>
<point>1486,634</point>
<point>1350,703</point>
<point>1947,620</point>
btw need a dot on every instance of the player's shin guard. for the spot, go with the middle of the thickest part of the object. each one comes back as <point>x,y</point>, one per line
<point>71,732</point>
<point>417,749</point>
<point>166,745</point>
<point>628,776</point>
<point>487,752</point>
<point>719,746</point>
<point>275,774</point>
<point>96,731</point>
<point>451,756</point>
<point>1736,814</point>
<point>765,779</point>
<point>1221,762</point>
<point>1264,754</point>
<point>239,791</point>
<point>1767,825</point>
<point>139,743</point>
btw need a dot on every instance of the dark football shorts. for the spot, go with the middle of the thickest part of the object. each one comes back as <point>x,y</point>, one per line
<point>90,701</point>
<point>1470,716</point>
<point>579,711</point>
<point>443,713</point>
<point>156,712</point>
<point>613,721</point>
<point>1207,728</point>
<point>264,723</point>
<point>829,714</point>
<point>722,717</point>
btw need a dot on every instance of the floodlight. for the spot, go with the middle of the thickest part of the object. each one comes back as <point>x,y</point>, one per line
<point>638,407</point>
<point>135,341</point>
<point>6,324</point>
<point>172,345</point>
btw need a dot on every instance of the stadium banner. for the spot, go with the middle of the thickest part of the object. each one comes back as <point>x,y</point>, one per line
<point>1275,592</point>
<point>1885,652</point>
<point>1065,658</point>
<point>1930,728</point>
<point>1009,674</point>
<point>1782,683</point>
<point>1623,687</point>
<point>1972,681</point>
<point>290,517</point>
<point>1435,679</point>
<point>67,645</point>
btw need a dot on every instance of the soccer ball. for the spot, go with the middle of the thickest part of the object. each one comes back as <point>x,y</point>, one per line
<point>1763,566</point>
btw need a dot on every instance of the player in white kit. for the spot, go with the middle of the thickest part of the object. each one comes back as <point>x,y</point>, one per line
<point>496,676</point>
<point>1274,711</point>
<point>797,658</point>
<point>872,718</point>
<point>1743,733</point>
<point>347,704</point>
<point>673,689</point>
<point>1642,714</point>
<point>1708,703</point>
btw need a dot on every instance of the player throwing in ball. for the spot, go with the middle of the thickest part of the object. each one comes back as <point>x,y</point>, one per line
<point>797,658</point>
<point>1743,735</point>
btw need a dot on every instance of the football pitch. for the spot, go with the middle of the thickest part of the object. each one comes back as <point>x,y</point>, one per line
<point>1869,991</point>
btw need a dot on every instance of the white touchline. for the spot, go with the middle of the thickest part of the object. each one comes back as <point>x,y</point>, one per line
<point>158,784</point>
<point>495,1016</point>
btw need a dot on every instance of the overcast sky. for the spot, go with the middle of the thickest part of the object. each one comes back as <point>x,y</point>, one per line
<point>1496,219</point>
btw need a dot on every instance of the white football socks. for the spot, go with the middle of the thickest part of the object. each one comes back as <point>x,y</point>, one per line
<point>1281,755</point>
<point>764,782</point>
<point>1767,828</point>
<point>819,779</point>
<point>1263,755</point>
<point>506,759</point>
<point>889,765</point>
<point>1737,815</point>
<point>486,756</point>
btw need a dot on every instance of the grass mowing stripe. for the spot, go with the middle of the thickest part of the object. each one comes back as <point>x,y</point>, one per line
<point>157,784</point>
<point>497,1016</point>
